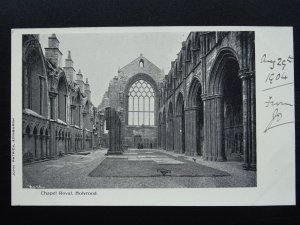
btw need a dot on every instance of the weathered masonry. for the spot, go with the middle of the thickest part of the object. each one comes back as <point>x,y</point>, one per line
<point>114,126</point>
<point>207,100</point>
<point>134,94</point>
<point>58,115</point>
<point>204,106</point>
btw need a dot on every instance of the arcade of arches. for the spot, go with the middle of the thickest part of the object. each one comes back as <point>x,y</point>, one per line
<point>204,106</point>
<point>210,103</point>
<point>58,115</point>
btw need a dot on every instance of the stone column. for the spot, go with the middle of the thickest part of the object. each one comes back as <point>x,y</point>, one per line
<point>172,135</point>
<point>115,139</point>
<point>178,134</point>
<point>253,123</point>
<point>209,130</point>
<point>187,132</point>
<point>47,146</point>
<point>213,132</point>
<point>163,135</point>
<point>53,142</point>
<point>66,143</point>
<point>220,128</point>
<point>193,133</point>
<point>175,133</point>
<point>205,128</point>
<point>84,139</point>
<point>244,75</point>
<point>42,145</point>
<point>159,136</point>
<point>167,134</point>
<point>37,146</point>
<point>41,95</point>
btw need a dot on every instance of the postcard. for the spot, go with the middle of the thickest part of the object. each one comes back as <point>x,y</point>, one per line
<point>154,116</point>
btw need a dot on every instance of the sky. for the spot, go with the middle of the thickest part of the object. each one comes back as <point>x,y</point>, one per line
<point>100,55</point>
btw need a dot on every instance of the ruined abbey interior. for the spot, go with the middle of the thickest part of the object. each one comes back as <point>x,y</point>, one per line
<point>204,106</point>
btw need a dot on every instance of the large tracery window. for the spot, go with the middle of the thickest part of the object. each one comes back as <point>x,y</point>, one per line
<point>141,104</point>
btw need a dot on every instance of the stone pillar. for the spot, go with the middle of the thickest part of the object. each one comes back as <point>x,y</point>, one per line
<point>159,135</point>
<point>187,132</point>
<point>47,146</point>
<point>253,123</point>
<point>114,127</point>
<point>41,95</point>
<point>213,129</point>
<point>65,141</point>
<point>53,141</point>
<point>210,112</point>
<point>192,131</point>
<point>249,139</point>
<point>205,128</point>
<point>163,135</point>
<point>37,146</point>
<point>169,135</point>
<point>220,147</point>
<point>175,133</point>
<point>181,135</point>
<point>42,145</point>
<point>84,139</point>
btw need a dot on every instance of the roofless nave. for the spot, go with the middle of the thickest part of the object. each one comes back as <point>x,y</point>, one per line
<point>204,106</point>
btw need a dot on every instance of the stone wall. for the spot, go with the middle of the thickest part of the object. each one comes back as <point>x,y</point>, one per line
<point>214,76</point>
<point>117,97</point>
<point>53,104</point>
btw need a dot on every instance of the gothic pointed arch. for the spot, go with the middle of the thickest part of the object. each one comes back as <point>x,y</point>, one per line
<point>163,130</point>
<point>34,76</point>
<point>141,103</point>
<point>62,89</point>
<point>195,117</point>
<point>170,128</point>
<point>179,135</point>
<point>76,111</point>
<point>226,58</point>
<point>225,87</point>
<point>194,93</point>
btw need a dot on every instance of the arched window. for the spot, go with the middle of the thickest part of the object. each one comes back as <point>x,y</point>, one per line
<point>77,111</point>
<point>189,52</point>
<point>180,68</point>
<point>62,99</point>
<point>141,104</point>
<point>34,87</point>
<point>141,63</point>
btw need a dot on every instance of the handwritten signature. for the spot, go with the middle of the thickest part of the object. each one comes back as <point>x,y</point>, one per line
<point>276,118</point>
<point>270,103</point>
<point>277,75</point>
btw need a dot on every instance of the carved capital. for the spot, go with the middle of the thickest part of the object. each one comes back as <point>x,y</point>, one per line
<point>244,73</point>
<point>52,94</point>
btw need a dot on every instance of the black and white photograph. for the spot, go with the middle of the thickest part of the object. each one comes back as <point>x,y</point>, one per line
<point>139,110</point>
<point>153,116</point>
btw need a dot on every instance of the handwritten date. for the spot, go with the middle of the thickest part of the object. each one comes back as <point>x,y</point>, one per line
<point>280,62</point>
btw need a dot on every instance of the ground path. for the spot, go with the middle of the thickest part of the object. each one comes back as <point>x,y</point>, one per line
<point>135,169</point>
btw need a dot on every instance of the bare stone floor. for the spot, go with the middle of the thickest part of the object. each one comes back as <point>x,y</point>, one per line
<point>135,169</point>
